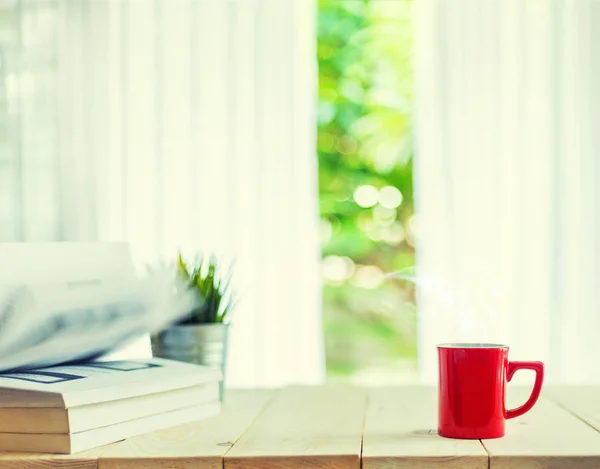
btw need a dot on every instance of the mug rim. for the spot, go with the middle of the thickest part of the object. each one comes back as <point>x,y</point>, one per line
<point>471,345</point>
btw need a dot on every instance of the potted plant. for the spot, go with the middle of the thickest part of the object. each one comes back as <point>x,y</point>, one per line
<point>201,336</point>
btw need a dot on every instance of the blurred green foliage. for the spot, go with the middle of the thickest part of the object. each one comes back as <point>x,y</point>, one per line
<point>365,139</point>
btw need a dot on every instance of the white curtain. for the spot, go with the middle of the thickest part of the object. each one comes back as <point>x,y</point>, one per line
<point>508,159</point>
<point>180,124</point>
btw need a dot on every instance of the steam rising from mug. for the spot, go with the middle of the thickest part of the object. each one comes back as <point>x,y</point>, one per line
<point>462,308</point>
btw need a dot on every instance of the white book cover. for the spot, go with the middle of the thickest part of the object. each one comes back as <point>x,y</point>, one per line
<point>102,414</point>
<point>94,382</point>
<point>76,442</point>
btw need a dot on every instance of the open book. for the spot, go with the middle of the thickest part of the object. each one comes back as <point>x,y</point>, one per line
<point>44,325</point>
<point>65,309</point>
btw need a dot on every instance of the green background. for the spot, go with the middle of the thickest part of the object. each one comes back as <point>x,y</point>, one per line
<point>365,138</point>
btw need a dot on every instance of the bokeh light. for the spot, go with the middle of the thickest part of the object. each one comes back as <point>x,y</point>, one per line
<point>365,221</point>
<point>411,230</point>
<point>393,234</point>
<point>366,196</point>
<point>326,142</point>
<point>384,216</point>
<point>337,269</point>
<point>390,197</point>
<point>373,232</point>
<point>347,145</point>
<point>326,230</point>
<point>368,276</point>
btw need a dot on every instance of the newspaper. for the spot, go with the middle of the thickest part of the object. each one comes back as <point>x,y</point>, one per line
<point>44,325</point>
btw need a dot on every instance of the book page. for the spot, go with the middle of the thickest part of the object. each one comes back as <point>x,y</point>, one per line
<point>43,325</point>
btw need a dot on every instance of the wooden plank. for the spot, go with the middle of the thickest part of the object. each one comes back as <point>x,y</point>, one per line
<point>304,428</point>
<point>199,444</point>
<point>84,460</point>
<point>582,401</point>
<point>400,432</point>
<point>548,436</point>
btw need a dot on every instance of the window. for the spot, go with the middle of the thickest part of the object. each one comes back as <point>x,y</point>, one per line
<point>365,183</point>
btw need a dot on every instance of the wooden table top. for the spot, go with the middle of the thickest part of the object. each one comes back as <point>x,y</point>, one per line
<point>337,427</point>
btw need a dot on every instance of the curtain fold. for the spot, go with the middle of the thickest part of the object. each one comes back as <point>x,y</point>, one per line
<point>506,180</point>
<point>183,124</point>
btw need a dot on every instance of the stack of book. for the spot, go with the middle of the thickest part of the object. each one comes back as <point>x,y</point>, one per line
<point>66,409</point>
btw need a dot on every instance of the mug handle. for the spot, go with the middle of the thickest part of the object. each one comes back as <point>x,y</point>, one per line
<point>538,367</point>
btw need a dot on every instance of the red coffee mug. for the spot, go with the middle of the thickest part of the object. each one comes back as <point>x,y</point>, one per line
<point>472,382</point>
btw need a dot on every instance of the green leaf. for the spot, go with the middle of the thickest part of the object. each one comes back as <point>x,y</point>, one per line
<point>213,284</point>
<point>182,267</point>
